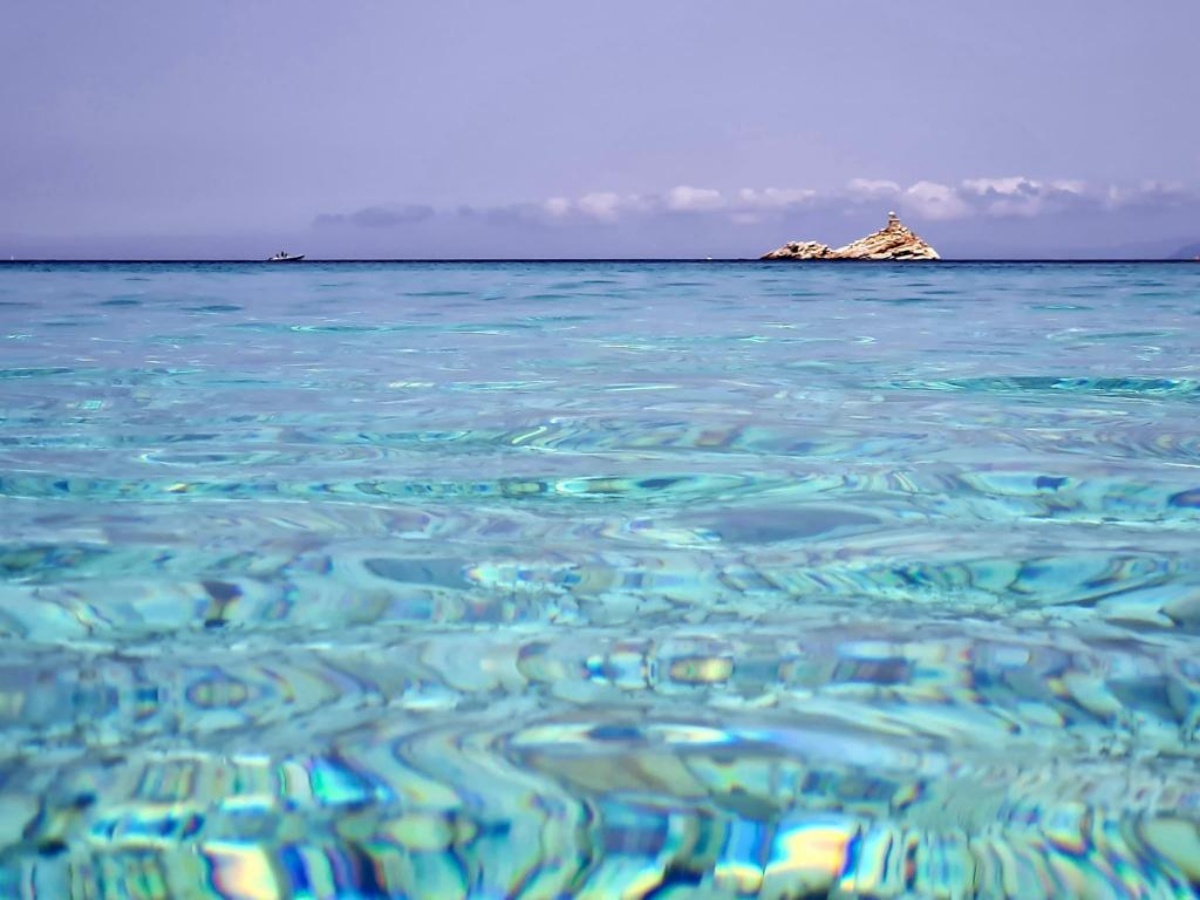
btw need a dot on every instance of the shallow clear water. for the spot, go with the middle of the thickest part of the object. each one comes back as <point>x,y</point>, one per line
<point>551,580</point>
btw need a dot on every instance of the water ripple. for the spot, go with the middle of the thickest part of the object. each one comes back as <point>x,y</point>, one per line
<point>598,579</point>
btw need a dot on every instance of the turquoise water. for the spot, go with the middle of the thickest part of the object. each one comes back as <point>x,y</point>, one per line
<point>599,580</point>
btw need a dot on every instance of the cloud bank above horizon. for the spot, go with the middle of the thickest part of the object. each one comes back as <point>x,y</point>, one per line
<point>1009,197</point>
<point>1013,217</point>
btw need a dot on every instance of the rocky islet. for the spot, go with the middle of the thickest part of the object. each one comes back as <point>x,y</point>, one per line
<point>895,241</point>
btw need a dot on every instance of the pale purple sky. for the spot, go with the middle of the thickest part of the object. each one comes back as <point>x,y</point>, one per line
<point>536,128</point>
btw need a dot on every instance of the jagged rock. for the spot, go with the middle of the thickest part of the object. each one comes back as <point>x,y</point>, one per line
<point>802,250</point>
<point>893,241</point>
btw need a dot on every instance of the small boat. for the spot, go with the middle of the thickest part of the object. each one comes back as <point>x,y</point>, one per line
<point>284,256</point>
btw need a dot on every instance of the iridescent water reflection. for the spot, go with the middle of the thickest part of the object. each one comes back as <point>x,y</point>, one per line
<point>599,580</point>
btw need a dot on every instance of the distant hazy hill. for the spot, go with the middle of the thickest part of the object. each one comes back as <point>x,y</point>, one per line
<point>1191,251</point>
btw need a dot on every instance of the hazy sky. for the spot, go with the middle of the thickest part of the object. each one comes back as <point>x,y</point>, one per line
<point>549,128</point>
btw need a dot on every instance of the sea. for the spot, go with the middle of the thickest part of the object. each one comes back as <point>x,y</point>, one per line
<point>599,579</point>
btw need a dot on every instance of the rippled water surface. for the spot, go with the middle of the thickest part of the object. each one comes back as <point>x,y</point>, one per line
<point>599,580</point>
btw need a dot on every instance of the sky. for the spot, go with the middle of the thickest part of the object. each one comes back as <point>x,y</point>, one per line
<point>547,129</point>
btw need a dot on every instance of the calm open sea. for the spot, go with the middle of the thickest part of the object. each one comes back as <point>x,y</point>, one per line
<point>599,580</point>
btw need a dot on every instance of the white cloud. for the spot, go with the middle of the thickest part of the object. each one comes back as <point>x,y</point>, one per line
<point>774,198</point>
<point>557,207</point>
<point>1149,193</point>
<point>608,206</point>
<point>1012,196</point>
<point>937,202</point>
<point>1020,196</point>
<point>1069,185</point>
<point>601,205</point>
<point>871,187</point>
<point>692,199</point>
<point>1016,184</point>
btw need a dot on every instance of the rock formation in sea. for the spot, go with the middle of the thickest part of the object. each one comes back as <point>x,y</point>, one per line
<point>894,241</point>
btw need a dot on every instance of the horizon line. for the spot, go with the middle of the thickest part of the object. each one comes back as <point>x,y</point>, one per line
<point>446,260</point>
